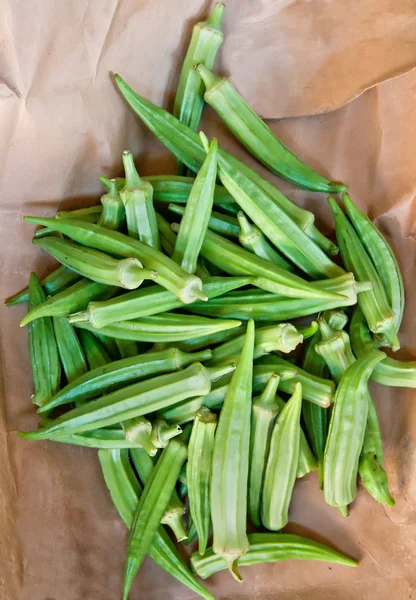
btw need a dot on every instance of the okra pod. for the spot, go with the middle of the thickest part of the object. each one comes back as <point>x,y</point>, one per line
<point>335,349</point>
<point>81,213</point>
<point>127,348</point>
<point>231,457</point>
<point>347,430</point>
<point>222,224</point>
<point>150,508</point>
<point>115,374</point>
<point>53,283</point>
<point>70,350</point>
<point>206,40</point>
<point>209,341</point>
<point>263,412</point>
<point>198,473</point>
<point>282,464</point>
<point>134,400</point>
<point>94,351</point>
<point>113,213</point>
<point>125,491</point>
<point>267,548</point>
<point>336,319</point>
<point>99,438</point>
<point>43,350</point>
<point>138,431</point>
<point>162,433</point>
<point>110,344</point>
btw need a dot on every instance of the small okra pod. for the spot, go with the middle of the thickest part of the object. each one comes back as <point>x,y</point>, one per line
<point>251,238</point>
<point>198,473</point>
<point>389,371</point>
<point>108,377</point>
<point>347,430</point>
<point>74,298</point>
<point>165,327</point>
<point>97,266</point>
<point>382,256</point>
<point>206,40</point>
<point>137,197</point>
<point>175,508</point>
<point>230,462</point>
<point>138,431</point>
<point>125,492</point>
<point>256,136</point>
<point>373,303</point>
<point>43,350</point>
<point>162,432</point>
<point>151,507</point>
<point>53,283</point>
<point>282,464</point>
<point>94,351</point>
<point>135,400</point>
<point>268,548</point>
<point>263,412</point>
<point>222,224</point>
<point>70,350</point>
<point>113,214</point>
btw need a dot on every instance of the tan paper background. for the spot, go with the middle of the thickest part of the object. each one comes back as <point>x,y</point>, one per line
<point>63,123</point>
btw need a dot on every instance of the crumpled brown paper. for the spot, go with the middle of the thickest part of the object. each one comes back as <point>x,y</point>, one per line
<point>63,124</point>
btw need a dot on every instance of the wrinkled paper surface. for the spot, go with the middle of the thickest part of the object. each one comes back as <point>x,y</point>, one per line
<point>63,124</point>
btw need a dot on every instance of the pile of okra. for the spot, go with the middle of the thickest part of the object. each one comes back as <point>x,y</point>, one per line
<point>212,343</point>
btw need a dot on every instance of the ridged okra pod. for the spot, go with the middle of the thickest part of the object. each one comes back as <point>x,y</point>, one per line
<point>374,303</point>
<point>125,492</point>
<point>113,213</point>
<point>70,350</point>
<point>43,350</point>
<point>94,351</point>
<point>137,197</point>
<point>282,464</point>
<point>198,473</point>
<point>218,222</point>
<point>347,430</point>
<point>268,548</point>
<point>151,507</point>
<point>230,463</point>
<point>53,283</point>
<point>183,285</point>
<point>256,136</point>
<point>335,348</point>
<point>263,412</point>
<point>206,40</point>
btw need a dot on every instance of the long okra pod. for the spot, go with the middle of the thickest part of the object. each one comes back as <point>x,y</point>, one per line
<point>183,285</point>
<point>231,456</point>
<point>263,412</point>
<point>133,401</point>
<point>206,40</point>
<point>256,136</point>
<point>97,266</point>
<point>70,350</point>
<point>198,473</point>
<point>43,350</point>
<point>125,492</point>
<point>222,224</point>
<point>95,353</point>
<point>150,508</point>
<point>270,547</point>
<point>113,213</point>
<point>282,464</point>
<point>53,283</point>
<point>137,197</point>
<point>198,209</point>
<point>100,438</point>
<point>374,303</point>
<point>382,256</point>
<point>347,430</point>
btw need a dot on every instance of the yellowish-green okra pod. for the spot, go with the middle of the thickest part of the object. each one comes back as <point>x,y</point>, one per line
<point>230,462</point>
<point>94,351</point>
<point>263,412</point>
<point>70,350</point>
<point>198,473</point>
<point>282,464</point>
<point>113,213</point>
<point>218,222</point>
<point>197,212</point>
<point>43,349</point>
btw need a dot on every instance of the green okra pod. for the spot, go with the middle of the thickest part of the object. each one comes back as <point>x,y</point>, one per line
<point>99,438</point>
<point>206,40</point>
<point>335,349</point>
<point>138,431</point>
<point>198,473</point>
<point>263,412</point>
<point>125,492</point>
<point>197,212</point>
<point>81,213</point>
<point>74,298</point>
<point>108,377</point>
<point>70,350</point>
<point>94,351</point>
<point>127,348</point>
<point>43,349</point>
<point>373,303</point>
<point>347,430</point>
<point>382,256</point>
<point>270,547</point>
<point>97,266</point>
<point>150,508</point>
<point>162,433</point>
<point>336,319</point>
<point>389,371</point>
<point>134,400</point>
<point>218,222</point>
<point>282,464</point>
<point>137,197</point>
<point>209,341</point>
<point>231,457</point>
<point>53,283</point>
<point>113,213</point>
<point>110,344</point>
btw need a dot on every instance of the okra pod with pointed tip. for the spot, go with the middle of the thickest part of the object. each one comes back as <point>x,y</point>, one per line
<point>70,350</point>
<point>113,213</point>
